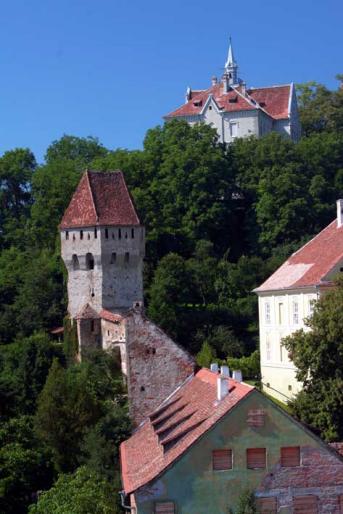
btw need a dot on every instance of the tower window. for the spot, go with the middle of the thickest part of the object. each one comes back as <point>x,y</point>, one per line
<point>67,234</point>
<point>92,325</point>
<point>113,257</point>
<point>106,233</point>
<point>75,262</point>
<point>142,388</point>
<point>127,257</point>
<point>89,261</point>
<point>92,293</point>
<point>112,235</point>
<point>73,237</point>
<point>119,233</point>
<point>88,236</point>
<point>81,234</point>
<point>95,233</point>
<point>133,233</point>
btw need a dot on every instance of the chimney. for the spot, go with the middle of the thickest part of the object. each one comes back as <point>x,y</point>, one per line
<point>214,81</point>
<point>188,95</point>
<point>224,371</point>
<point>339,213</point>
<point>214,367</point>
<point>226,83</point>
<point>237,375</point>
<point>244,88</point>
<point>222,387</point>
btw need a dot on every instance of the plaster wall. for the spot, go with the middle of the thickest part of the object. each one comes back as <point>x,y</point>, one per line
<point>287,312</point>
<point>113,335</point>
<point>197,489</point>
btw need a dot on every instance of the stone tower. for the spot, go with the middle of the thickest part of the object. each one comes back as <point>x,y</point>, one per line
<point>102,243</point>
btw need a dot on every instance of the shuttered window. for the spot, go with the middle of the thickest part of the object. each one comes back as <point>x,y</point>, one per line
<point>290,456</point>
<point>165,508</point>
<point>221,459</point>
<point>305,505</point>
<point>256,458</point>
<point>266,505</point>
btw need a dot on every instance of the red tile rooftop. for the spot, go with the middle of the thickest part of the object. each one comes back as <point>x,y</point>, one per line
<point>311,265</point>
<point>101,198</point>
<point>273,100</point>
<point>169,431</point>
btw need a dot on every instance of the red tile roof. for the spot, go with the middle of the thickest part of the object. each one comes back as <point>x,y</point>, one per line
<point>168,432</point>
<point>273,100</point>
<point>101,198</point>
<point>311,265</point>
<point>110,316</point>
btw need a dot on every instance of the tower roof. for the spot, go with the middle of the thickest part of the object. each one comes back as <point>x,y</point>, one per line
<point>101,198</point>
<point>230,58</point>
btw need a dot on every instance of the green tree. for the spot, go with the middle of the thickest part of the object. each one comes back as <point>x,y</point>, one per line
<point>80,493</point>
<point>318,357</point>
<point>206,356</point>
<point>25,465</point>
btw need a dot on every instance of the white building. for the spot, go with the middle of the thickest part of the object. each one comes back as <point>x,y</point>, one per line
<point>286,299</point>
<point>238,111</point>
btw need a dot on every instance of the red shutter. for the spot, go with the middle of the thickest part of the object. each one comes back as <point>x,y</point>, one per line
<point>222,459</point>
<point>305,505</point>
<point>266,505</point>
<point>256,458</point>
<point>165,508</point>
<point>290,456</point>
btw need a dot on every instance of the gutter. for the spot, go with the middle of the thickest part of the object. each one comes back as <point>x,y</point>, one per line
<point>122,502</point>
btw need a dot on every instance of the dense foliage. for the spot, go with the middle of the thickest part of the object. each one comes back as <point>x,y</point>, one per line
<point>318,356</point>
<point>219,221</point>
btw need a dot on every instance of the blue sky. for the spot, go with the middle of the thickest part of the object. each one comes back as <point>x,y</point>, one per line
<point>113,68</point>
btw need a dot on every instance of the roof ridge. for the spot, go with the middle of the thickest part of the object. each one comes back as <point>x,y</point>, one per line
<point>88,171</point>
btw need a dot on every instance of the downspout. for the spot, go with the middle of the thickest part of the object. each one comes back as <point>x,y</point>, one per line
<point>122,501</point>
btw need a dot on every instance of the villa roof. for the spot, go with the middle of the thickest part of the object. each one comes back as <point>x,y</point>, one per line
<point>189,412</point>
<point>312,264</point>
<point>101,198</point>
<point>274,100</point>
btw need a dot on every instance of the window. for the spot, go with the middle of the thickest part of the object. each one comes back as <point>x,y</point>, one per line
<point>267,312</point>
<point>281,352</point>
<point>256,418</point>
<point>233,129</point>
<point>113,257</point>
<point>132,233</point>
<point>165,508</point>
<point>92,293</point>
<point>311,306</point>
<point>295,312</point>
<point>268,348</point>
<point>75,262</point>
<point>221,460</point>
<point>142,389</point>
<point>289,387</point>
<point>127,257</point>
<point>95,233</point>
<point>81,234</point>
<point>210,107</point>
<point>119,233</point>
<point>280,313</point>
<point>305,505</point>
<point>67,234</point>
<point>266,505</point>
<point>92,325</point>
<point>106,233</point>
<point>290,456</point>
<point>256,458</point>
<point>89,261</point>
<point>88,236</point>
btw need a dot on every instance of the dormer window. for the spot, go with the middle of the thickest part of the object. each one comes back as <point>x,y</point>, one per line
<point>197,103</point>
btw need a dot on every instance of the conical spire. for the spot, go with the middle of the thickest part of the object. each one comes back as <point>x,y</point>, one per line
<point>230,58</point>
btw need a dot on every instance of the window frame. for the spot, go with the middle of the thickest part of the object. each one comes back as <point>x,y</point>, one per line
<point>247,458</point>
<point>283,458</point>
<point>267,313</point>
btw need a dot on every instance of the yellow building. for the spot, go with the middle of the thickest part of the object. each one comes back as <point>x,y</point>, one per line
<point>286,299</point>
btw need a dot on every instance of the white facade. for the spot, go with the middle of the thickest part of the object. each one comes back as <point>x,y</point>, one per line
<point>281,314</point>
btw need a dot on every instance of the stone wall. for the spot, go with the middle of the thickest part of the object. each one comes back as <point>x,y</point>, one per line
<point>156,365</point>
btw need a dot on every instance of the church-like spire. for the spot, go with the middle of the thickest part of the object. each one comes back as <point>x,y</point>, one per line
<point>231,67</point>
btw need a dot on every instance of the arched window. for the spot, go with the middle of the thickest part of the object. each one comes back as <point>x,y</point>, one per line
<point>75,262</point>
<point>113,257</point>
<point>89,261</point>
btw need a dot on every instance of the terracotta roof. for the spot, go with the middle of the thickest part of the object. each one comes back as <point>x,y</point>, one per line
<point>101,198</point>
<point>273,100</point>
<point>178,423</point>
<point>311,265</point>
<point>110,316</point>
<point>338,447</point>
<point>87,312</point>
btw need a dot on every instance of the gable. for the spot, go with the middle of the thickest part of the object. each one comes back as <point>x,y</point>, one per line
<point>196,487</point>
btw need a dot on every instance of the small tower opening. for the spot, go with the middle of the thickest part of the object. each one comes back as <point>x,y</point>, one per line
<point>119,233</point>
<point>106,233</point>
<point>81,234</point>
<point>127,257</point>
<point>75,262</point>
<point>89,261</point>
<point>133,233</point>
<point>67,234</point>
<point>113,258</point>
<point>95,233</point>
